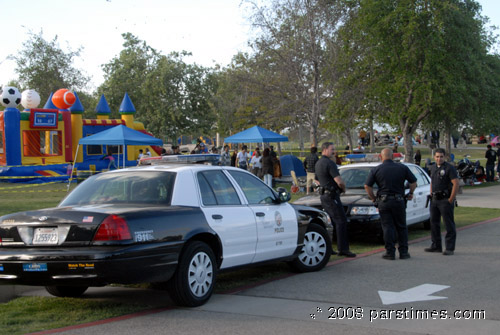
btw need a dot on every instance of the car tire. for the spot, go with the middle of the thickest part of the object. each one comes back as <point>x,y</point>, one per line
<point>316,252</point>
<point>66,291</point>
<point>193,282</point>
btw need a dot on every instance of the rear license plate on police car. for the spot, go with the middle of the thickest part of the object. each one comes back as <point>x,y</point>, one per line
<point>45,236</point>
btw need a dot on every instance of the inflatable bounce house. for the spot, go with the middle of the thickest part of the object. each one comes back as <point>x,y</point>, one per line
<point>40,144</point>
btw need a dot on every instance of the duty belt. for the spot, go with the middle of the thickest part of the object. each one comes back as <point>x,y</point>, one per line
<point>385,197</point>
<point>440,195</point>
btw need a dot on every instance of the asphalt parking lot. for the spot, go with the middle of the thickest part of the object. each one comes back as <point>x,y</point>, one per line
<point>427,294</point>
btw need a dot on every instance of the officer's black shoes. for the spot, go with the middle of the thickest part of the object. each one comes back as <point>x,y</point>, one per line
<point>404,255</point>
<point>334,252</point>
<point>433,249</point>
<point>347,254</point>
<point>388,256</point>
<point>448,252</point>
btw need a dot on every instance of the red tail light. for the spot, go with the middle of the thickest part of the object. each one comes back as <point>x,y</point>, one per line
<point>113,228</point>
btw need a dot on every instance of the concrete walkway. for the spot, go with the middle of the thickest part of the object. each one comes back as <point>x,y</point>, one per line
<point>483,197</point>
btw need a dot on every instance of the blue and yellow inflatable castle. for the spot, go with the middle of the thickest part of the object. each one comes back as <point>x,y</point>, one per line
<point>39,144</point>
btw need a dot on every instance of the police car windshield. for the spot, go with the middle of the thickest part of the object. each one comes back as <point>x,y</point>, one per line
<point>355,177</point>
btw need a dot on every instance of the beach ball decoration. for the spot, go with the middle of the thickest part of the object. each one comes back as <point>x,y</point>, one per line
<point>30,99</point>
<point>10,97</point>
<point>63,98</point>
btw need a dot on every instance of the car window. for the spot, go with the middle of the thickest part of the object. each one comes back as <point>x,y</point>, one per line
<point>355,177</point>
<point>419,174</point>
<point>255,190</point>
<point>216,189</point>
<point>144,187</point>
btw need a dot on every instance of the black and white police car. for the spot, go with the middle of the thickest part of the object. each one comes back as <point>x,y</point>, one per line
<point>169,222</point>
<point>362,215</point>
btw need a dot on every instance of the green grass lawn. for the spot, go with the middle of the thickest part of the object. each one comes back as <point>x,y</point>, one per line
<point>30,314</point>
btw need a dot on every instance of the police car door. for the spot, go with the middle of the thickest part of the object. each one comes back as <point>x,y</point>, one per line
<point>277,227</point>
<point>416,211</point>
<point>233,221</point>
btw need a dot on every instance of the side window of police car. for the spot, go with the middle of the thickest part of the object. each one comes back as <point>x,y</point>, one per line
<point>255,190</point>
<point>216,189</point>
<point>421,179</point>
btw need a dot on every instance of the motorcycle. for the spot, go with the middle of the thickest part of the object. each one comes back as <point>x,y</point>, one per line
<point>470,172</point>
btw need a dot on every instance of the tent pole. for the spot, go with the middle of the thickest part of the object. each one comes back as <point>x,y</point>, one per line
<point>73,168</point>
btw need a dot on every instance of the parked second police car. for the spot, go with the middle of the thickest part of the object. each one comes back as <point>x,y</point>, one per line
<point>362,215</point>
<point>174,223</point>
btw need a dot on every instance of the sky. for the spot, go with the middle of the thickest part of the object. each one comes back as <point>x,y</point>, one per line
<point>212,30</point>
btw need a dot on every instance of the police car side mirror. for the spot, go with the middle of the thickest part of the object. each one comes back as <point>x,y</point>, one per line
<point>283,194</point>
<point>407,184</point>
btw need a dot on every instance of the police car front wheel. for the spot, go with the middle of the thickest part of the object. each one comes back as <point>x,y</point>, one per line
<point>316,251</point>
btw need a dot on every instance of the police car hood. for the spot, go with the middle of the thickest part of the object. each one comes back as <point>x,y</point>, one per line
<point>351,197</point>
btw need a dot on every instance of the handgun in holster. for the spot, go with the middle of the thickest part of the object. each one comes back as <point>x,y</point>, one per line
<point>429,199</point>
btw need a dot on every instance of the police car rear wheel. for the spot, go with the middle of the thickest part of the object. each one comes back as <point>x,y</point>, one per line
<point>194,281</point>
<point>316,251</point>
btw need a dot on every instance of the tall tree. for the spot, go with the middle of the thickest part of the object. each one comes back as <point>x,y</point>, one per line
<point>412,48</point>
<point>177,98</point>
<point>290,55</point>
<point>127,72</point>
<point>43,66</point>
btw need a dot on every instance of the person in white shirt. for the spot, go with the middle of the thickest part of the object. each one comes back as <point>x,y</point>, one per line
<point>242,158</point>
<point>256,163</point>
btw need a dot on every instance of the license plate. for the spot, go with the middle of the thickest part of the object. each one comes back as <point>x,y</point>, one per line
<point>45,236</point>
<point>35,267</point>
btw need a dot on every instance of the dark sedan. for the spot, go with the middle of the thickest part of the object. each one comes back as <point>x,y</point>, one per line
<point>362,215</point>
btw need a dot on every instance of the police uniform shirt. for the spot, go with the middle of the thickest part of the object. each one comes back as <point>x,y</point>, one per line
<point>326,170</point>
<point>442,176</point>
<point>390,178</point>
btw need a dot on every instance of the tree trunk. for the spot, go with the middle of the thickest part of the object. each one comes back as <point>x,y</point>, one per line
<point>447,142</point>
<point>408,145</point>
<point>372,135</point>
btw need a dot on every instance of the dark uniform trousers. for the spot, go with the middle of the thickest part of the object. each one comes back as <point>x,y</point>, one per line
<point>393,220</point>
<point>442,208</point>
<point>333,206</point>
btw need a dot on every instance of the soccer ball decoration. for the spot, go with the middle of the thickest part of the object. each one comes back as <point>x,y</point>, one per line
<point>63,98</point>
<point>30,99</point>
<point>11,97</point>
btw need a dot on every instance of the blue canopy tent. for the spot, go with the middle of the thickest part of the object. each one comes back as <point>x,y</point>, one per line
<point>119,135</point>
<point>256,134</point>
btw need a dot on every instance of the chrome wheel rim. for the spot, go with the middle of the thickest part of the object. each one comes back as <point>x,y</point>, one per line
<point>314,249</point>
<point>200,275</point>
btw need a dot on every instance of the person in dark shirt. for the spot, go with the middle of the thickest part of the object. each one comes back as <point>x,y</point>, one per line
<point>390,178</point>
<point>491,157</point>
<point>418,157</point>
<point>309,165</point>
<point>331,185</point>
<point>498,155</point>
<point>444,189</point>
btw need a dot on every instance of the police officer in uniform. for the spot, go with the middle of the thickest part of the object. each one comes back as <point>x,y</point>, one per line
<point>331,185</point>
<point>390,178</point>
<point>444,189</point>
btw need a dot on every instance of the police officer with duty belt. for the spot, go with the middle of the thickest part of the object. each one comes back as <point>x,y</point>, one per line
<point>444,189</point>
<point>390,178</point>
<point>331,185</point>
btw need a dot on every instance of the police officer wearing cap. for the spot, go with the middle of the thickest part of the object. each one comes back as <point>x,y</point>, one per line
<point>444,189</point>
<point>390,178</point>
<point>331,185</point>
